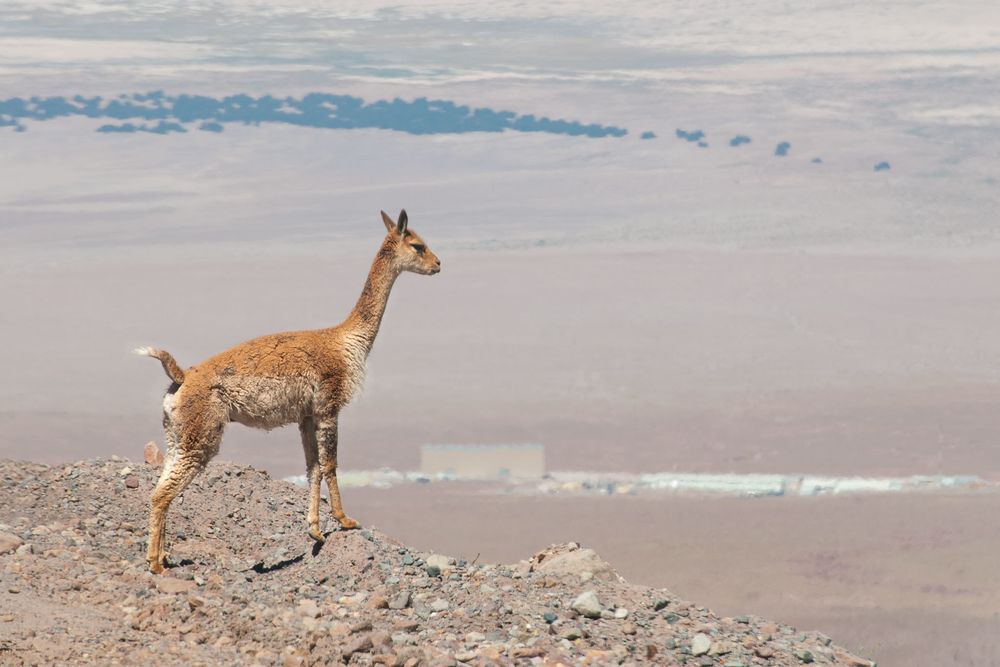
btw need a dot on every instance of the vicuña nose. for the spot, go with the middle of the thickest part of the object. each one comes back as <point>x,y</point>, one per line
<point>438,262</point>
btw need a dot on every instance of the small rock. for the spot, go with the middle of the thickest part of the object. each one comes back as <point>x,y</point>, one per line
<point>308,608</point>
<point>170,585</point>
<point>361,626</point>
<point>660,604</point>
<point>803,655</point>
<point>362,644</point>
<point>339,629</point>
<point>764,652</point>
<point>442,563</point>
<point>9,542</point>
<point>700,644</point>
<point>570,560</point>
<point>405,625</point>
<point>571,633</point>
<point>720,648</point>
<point>440,605</point>
<point>433,571</point>
<point>377,602</point>
<point>401,601</point>
<point>621,613</point>
<point>528,652</point>
<point>587,604</point>
<point>629,628</point>
<point>132,482</point>
<point>152,454</point>
<point>549,617</point>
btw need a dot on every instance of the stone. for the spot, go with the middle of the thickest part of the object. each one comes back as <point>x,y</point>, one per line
<point>720,648</point>
<point>362,644</point>
<point>9,542</point>
<point>308,608</point>
<point>803,655</point>
<point>361,626</point>
<point>433,571</point>
<point>132,482</point>
<point>851,660</point>
<point>152,454</point>
<point>660,605</point>
<point>440,605</point>
<point>406,625</point>
<point>475,638</point>
<point>571,633</point>
<point>549,617</point>
<point>700,644</point>
<point>401,601</point>
<point>621,613</point>
<point>764,652</point>
<point>172,586</point>
<point>442,563</point>
<point>339,629</point>
<point>528,652</point>
<point>566,561</point>
<point>587,604</point>
<point>377,602</point>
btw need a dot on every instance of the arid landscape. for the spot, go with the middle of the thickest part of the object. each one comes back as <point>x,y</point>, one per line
<point>719,238</point>
<point>249,587</point>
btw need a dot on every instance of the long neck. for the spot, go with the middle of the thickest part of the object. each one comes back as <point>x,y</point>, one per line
<point>365,319</point>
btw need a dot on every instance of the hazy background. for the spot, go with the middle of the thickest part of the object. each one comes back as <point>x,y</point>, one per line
<point>632,304</point>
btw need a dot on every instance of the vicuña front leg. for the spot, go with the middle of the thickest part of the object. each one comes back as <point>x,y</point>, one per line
<point>313,474</point>
<point>326,436</point>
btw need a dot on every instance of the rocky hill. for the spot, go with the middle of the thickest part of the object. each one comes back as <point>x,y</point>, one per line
<point>249,587</point>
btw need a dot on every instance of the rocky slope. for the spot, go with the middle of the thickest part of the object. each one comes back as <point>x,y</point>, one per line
<point>250,587</point>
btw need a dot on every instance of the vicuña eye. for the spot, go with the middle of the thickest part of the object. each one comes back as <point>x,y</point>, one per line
<point>419,248</point>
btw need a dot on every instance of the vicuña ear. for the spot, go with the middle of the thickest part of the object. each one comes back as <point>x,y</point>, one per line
<point>390,226</point>
<point>401,225</point>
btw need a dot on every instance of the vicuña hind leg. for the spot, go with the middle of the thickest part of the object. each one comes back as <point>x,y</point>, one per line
<point>194,449</point>
<point>326,437</point>
<point>313,474</point>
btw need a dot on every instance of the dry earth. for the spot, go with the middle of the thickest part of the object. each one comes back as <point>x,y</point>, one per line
<point>250,588</point>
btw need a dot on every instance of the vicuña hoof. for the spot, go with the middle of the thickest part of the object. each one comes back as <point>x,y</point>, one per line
<point>316,535</point>
<point>347,523</point>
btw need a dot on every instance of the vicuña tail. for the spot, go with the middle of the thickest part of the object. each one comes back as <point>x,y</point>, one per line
<point>170,366</point>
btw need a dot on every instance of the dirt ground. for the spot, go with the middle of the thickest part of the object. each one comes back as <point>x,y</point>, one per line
<point>905,579</point>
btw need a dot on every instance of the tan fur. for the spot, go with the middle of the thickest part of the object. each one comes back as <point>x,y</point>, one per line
<point>302,377</point>
<point>170,365</point>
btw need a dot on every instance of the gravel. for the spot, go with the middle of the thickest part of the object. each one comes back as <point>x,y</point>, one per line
<point>249,587</point>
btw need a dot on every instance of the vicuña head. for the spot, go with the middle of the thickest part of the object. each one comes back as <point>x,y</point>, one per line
<point>302,377</point>
<point>411,252</point>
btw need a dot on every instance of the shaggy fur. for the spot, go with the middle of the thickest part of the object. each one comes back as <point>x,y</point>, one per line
<point>302,377</point>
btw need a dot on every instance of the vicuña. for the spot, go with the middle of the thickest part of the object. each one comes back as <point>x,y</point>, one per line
<point>302,377</point>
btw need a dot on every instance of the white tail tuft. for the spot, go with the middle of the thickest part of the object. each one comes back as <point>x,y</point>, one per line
<point>145,351</point>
